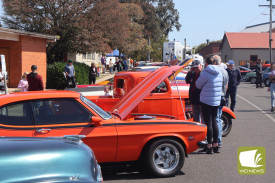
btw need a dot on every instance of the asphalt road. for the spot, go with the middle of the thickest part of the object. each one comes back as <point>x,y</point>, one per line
<point>254,126</point>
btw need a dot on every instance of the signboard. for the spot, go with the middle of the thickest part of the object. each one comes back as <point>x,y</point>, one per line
<point>4,72</point>
<point>3,63</point>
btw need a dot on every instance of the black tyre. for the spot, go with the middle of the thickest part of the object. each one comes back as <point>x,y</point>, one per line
<point>267,82</point>
<point>244,78</point>
<point>163,158</point>
<point>253,80</point>
<point>226,124</point>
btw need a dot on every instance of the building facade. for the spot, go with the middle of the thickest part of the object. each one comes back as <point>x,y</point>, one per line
<point>210,49</point>
<point>22,50</point>
<point>246,47</point>
<point>88,58</point>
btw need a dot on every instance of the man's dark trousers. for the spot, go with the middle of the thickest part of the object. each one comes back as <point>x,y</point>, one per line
<point>232,92</point>
<point>259,80</point>
<point>73,82</point>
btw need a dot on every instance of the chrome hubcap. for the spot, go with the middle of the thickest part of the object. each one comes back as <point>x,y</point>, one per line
<point>166,157</point>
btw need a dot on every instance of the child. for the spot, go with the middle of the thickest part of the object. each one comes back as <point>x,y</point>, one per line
<point>107,90</point>
<point>23,84</point>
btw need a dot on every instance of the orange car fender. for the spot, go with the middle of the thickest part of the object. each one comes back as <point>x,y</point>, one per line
<point>178,137</point>
<point>229,111</point>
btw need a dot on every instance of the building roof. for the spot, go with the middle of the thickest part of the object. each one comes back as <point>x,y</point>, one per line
<point>248,40</point>
<point>263,27</point>
<point>32,34</point>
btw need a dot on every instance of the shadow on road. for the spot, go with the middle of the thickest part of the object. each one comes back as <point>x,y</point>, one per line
<point>125,173</point>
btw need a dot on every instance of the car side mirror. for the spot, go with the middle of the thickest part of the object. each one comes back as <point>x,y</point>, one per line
<point>96,121</point>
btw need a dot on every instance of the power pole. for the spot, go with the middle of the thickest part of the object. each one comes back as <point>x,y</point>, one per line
<point>184,50</point>
<point>270,28</point>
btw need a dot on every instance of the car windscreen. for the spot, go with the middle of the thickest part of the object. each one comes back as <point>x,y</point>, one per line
<point>96,108</point>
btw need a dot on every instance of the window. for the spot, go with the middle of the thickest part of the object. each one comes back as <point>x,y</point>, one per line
<point>96,108</point>
<point>83,56</point>
<point>16,114</point>
<point>120,83</point>
<point>93,56</point>
<point>58,111</point>
<point>253,57</point>
<point>162,88</point>
<point>89,56</point>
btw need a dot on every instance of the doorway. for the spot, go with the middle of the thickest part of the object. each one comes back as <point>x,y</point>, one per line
<point>6,52</point>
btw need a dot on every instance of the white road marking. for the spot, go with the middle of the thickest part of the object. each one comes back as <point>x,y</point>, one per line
<point>264,112</point>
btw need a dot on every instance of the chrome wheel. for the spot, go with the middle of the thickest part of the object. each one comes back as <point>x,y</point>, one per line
<point>166,158</point>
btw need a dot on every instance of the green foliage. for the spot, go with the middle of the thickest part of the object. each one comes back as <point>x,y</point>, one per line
<point>56,79</point>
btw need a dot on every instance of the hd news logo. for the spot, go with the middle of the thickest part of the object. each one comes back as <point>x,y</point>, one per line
<point>251,160</point>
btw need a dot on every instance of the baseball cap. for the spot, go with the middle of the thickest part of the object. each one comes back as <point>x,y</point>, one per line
<point>195,63</point>
<point>230,62</point>
<point>70,61</point>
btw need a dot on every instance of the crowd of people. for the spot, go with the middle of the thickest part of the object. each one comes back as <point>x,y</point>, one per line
<point>209,91</point>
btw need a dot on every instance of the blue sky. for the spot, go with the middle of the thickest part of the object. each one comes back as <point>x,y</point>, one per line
<point>209,19</point>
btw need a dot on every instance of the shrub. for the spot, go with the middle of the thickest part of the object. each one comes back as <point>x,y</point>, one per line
<point>56,79</point>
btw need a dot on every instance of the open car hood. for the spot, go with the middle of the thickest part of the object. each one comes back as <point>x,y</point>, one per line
<point>143,89</point>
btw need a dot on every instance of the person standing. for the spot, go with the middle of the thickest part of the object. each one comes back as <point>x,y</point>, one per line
<point>103,64</point>
<point>234,80</point>
<point>194,92</point>
<point>92,74</point>
<point>247,65</point>
<point>35,80</point>
<point>218,61</point>
<point>125,64</point>
<point>271,76</point>
<point>70,74</point>
<point>210,84</point>
<point>111,66</point>
<point>23,83</point>
<point>259,74</point>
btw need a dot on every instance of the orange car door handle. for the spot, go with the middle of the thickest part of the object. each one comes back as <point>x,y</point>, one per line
<point>43,130</point>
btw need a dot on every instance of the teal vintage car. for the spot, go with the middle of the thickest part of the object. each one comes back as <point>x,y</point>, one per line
<point>251,76</point>
<point>68,159</point>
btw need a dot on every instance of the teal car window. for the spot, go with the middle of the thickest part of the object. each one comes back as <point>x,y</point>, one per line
<point>15,114</point>
<point>59,111</point>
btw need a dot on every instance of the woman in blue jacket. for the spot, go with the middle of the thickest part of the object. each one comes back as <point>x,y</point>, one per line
<point>210,83</point>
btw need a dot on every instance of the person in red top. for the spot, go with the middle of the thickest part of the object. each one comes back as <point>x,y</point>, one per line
<point>35,80</point>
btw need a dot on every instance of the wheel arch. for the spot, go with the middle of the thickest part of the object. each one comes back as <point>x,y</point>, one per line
<point>229,112</point>
<point>152,139</point>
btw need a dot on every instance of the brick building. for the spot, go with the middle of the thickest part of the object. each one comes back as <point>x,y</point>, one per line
<point>22,50</point>
<point>210,49</point>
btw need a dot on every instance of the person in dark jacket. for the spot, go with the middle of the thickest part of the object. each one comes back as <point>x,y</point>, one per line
<point>194,92</point>
<point>35,81</point>
<point>259,74</point>
<point>234,80</point>
<point>70,74</point>
<point>92,73</point>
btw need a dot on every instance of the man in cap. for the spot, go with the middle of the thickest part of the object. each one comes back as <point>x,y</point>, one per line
<point>234,80</point>
<point>194,92</point>
<point>35,80</point>
<point>259,74</point>
<point>70,74</point>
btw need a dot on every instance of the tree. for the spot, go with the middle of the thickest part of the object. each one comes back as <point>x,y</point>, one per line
<point>65,18</point>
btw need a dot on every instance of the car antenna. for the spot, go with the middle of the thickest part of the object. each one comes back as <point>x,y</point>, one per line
<point>179,96</point>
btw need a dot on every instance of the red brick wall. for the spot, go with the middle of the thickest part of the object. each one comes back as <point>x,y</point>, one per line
<point>34,53</point>
<point>210,49</point>
<point>14,64</point>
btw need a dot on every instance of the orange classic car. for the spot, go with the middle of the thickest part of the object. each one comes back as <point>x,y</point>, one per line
<point>159,144</point>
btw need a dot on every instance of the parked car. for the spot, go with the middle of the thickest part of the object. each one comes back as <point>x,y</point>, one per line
<point>160,143</point>
<point>244,71</point>
<point>265,77</point>
<point>68,159</point>
<point>251,76</point>
<point>164,100</point>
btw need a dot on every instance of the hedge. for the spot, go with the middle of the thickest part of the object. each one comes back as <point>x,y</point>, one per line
<point>56,79</point>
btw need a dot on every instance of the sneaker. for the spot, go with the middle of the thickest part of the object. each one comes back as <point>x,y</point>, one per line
<point>272,109</point>
<point>209,150</point>
<point>220,146</point>
<point>216,149</point>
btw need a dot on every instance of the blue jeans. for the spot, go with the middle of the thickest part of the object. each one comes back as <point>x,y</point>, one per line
<point>219,124</point>
<point>111,70</point>
<point>272,92</point>
<point>196,109</point>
